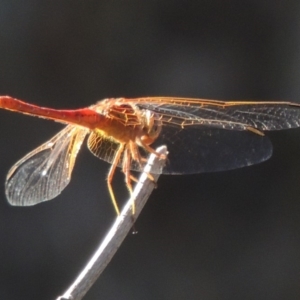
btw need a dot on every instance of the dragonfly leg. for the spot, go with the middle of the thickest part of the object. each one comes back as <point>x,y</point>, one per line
<point>150,177</point>
<point>133,178</point>
<point>111,175</point>
<point>151,150</point>
<point>126,170</point>
<point>255,130</point>
<point>135,154</point>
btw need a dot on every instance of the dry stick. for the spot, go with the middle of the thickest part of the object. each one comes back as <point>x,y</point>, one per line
<point>118,231</point>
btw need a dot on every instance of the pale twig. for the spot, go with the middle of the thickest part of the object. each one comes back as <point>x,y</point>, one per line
<point>119,229</point>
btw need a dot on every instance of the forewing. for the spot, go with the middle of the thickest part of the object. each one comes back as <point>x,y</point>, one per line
<point>207,135</point>
<point>43,173</point>
<point>225,115</point>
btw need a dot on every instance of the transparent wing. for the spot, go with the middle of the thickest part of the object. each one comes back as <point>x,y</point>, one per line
<point>106,149</point>
<point>203,135</point>
<point>103,147</point>
<point>195,151</point>
<point>43,173</point>
<point>232,115</point>
<point>207,135</point>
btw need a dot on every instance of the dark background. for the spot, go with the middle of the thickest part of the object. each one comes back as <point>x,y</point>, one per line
<point>229,235</point>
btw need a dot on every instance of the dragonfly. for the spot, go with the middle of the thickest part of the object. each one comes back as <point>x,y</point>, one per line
<point>201,135</point>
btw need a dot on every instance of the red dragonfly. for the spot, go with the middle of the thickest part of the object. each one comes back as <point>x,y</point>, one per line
<point>201,136</point>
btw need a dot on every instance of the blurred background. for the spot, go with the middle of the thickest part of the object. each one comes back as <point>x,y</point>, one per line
<point>228,235</point>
